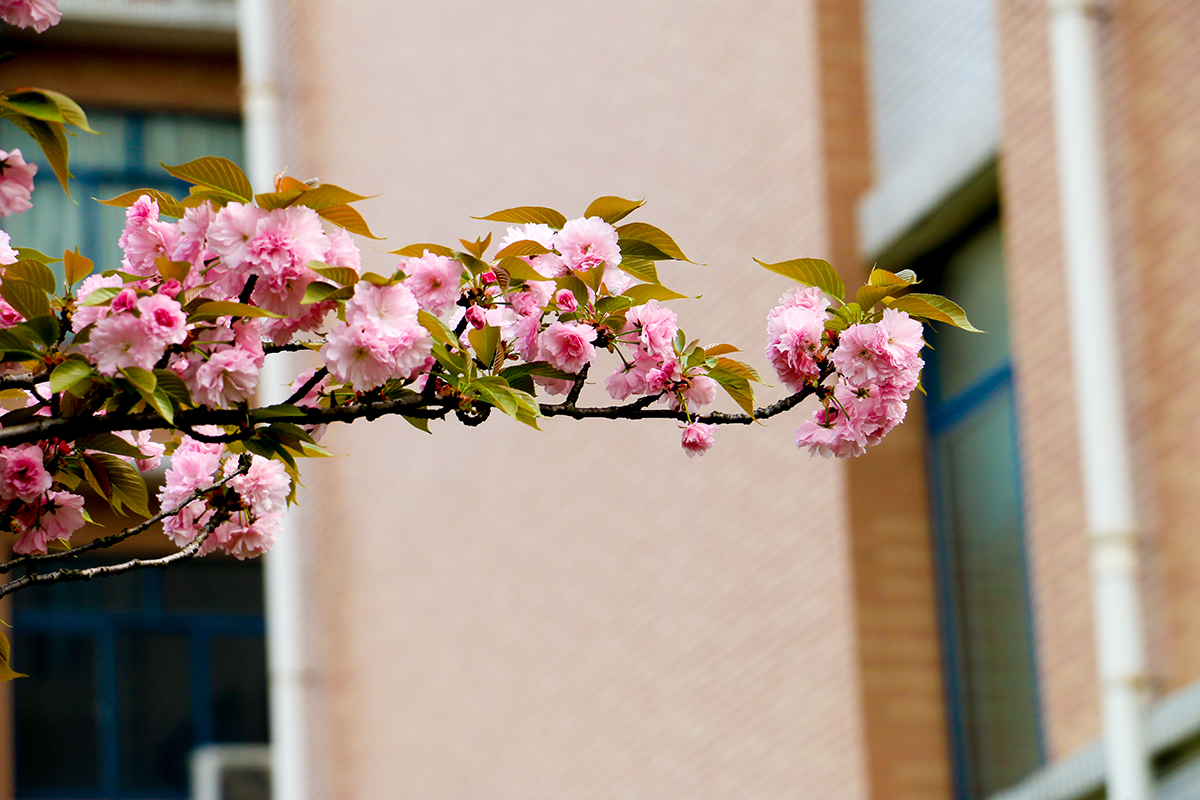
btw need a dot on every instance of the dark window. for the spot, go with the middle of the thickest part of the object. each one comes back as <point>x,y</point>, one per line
<point>126,676</point>
<point>975,479</point>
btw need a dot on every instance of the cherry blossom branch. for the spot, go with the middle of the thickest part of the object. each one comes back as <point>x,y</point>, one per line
<point>639,410</point>
<point>116,538</point>
<point>69,574</point>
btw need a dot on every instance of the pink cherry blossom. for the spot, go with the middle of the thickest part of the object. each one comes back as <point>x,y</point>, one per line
<point>228,377</point>
<point>359,356</point>
<point>565,300</point>
<point>343,252</point>
<point>230,233</point>
<point>36,14</point>
<point>16,183</point>
<point>264,488</point>
<point>7,254</point>
<point>698,438</point>
<point>86,315</point>
<point>60,515</point>
<point>795,347</point>
<point>389,309</point>
<point>434,281</point>
<point>144,442</point>
<point>655,327</point>
<point>243,540</point>
<point>146,238</point>
<point>22,473</point>
<point>588,243</point>
<point>568,345</point>
<point>285,240</point>
<point>120,341</point>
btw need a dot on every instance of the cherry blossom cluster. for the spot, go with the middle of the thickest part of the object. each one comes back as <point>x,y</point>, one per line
<point>876,367</point>
<point>243,519</point>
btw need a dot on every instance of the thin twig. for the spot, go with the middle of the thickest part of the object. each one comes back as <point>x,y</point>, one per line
<point>68,574</point>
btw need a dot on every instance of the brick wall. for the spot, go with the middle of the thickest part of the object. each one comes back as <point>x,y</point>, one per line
<point>582,612</point>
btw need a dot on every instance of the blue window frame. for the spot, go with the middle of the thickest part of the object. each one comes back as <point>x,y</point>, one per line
<point>128,673</point>
<point>974,464</point>
<point>125,157</point>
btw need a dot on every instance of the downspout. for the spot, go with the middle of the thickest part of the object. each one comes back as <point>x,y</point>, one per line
<point>282,568</point>
<point>1099,397</point>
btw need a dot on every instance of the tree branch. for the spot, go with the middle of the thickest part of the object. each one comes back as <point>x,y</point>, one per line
<point>68,574</point>
<point>109,541</point>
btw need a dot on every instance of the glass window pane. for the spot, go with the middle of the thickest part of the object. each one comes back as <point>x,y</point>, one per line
<point>113,593</point>
<point>154,711</point>
<point>57,741</point>
<point>973,278</point>
<point>978,471</point>
<point>214,587</point>
<point>239,689</point>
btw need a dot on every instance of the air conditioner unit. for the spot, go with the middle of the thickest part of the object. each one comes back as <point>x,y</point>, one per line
<point>231,772</point>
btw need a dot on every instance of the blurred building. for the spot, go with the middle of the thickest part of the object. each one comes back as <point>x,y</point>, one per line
<point>587,613</point>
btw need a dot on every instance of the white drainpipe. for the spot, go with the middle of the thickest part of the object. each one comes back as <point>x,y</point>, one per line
<point>285,656</point>
<point>1096,348</point>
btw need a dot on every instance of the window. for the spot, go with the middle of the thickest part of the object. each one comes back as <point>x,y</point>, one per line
<point>975,480</point>
<point>128,674</point>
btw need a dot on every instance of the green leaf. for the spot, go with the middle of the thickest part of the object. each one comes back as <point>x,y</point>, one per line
<point>927,306</point>
<point>16,342</point>
<point>346,217</point>
<point>524,214</point>
<point>542,369</point>
<point>76,267</point>
<point>72,114</point>
<point>658,239</point>
<point>326,196</point>
<point>738,368</point>
<point>174,386</point>
<point>167,205</point>
<point>217,173</point>
<point>868,296</point>
<point>160,401</point>
<point>523,247</point>
<point>420,423</point>
<point>44,329</point>
<point>26,298</point>
<point>128,486</point>
<point>496,391</point>
<point>96,475</point>
<point>612,209</point>
<point>811,272</point>
<point>281,411</point>
<point>342,276</point>
<point>642,268</point>
<point>881,277</point>
<point>451,362</point>
<point>475,265</point>
<point>517,269</point>
<point>6,671</point>
<point>143,380</point>
<point>485,340</point>
<point>69,373</point>
<point>273,200</point>
<point>109,443</point>
<point>35,272</point>
<point>437,329</point>
<point>645,292</point>
<point>610,305</point>
<point>35,255</point>
<point>53,141</point>
<point>418,250</point>
<point>737,387</point>
<point>102,296</point>
<point>592,278</point>
<point>227,308</point>
<point>33,103</point>
<point>317,291</point>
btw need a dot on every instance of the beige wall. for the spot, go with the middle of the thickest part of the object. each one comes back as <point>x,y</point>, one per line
<point>582,612</point>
